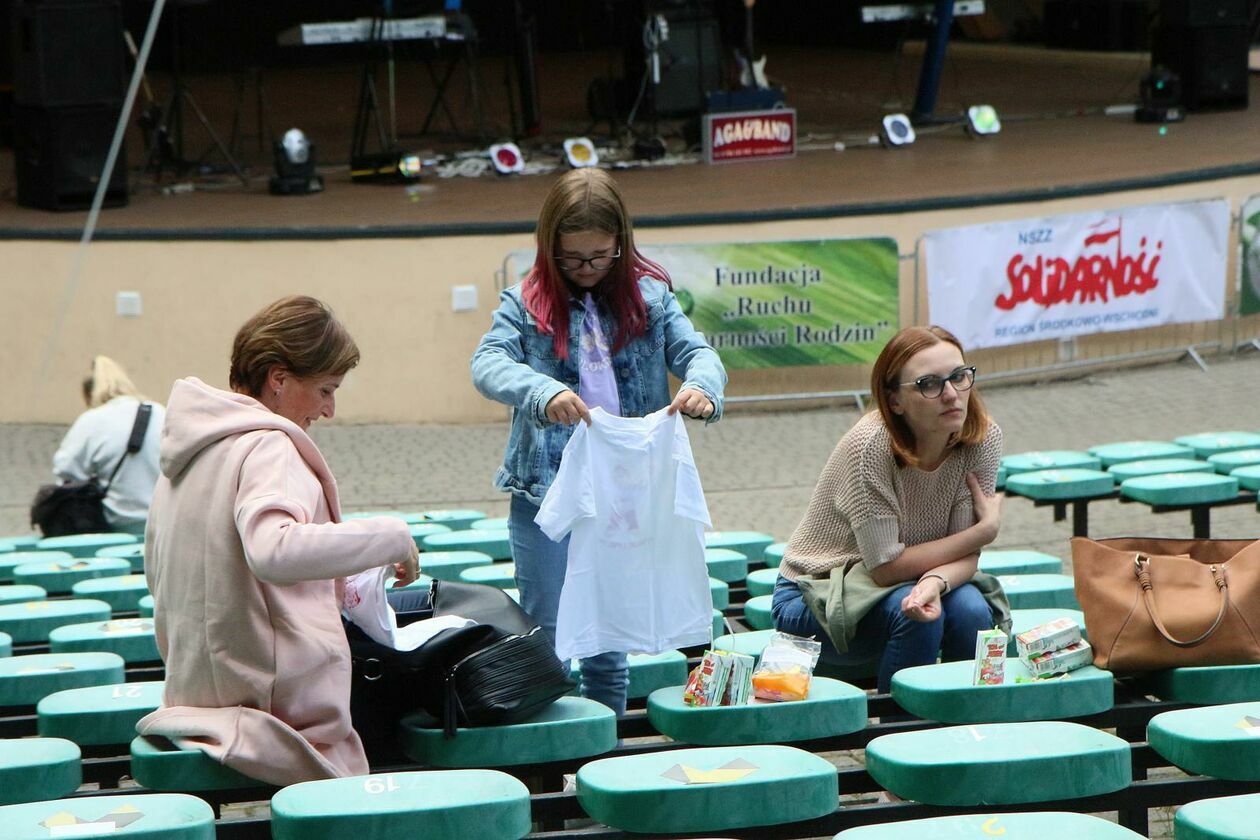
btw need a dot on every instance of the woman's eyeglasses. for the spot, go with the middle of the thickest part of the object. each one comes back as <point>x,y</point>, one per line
<point>932,386</point>
<point>596,263</point>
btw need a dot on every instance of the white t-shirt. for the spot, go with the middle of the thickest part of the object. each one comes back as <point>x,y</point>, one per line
<point>629,492</point>
<point>364,604</point>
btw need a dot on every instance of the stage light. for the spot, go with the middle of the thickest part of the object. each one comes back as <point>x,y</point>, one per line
<point>982,120</point>
<point>294,158</point>
<point>507,158</point>
<point>897,130</point>
<point>580,152</point>
<point>386,167</point>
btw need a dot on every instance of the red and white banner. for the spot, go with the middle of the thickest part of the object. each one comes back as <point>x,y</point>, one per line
<point>1062,276</point>
<point>750,135</point>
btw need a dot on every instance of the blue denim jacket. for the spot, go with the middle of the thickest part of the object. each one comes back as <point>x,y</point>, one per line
<point>516,364</point>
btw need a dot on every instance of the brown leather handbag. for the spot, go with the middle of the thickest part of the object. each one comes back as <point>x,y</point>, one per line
<point>1151,604</point>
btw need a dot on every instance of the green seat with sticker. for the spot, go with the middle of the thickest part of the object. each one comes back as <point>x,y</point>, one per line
<point>25,680</point>
<point>456,520</point>
<point>1227,462</point>
<point>60,577</point>
<point>773,555</point>
<point>1247,477</point>
<point>757,613</point>
<point>145,606</point>
<point>1207,685</point>
<point>993,763</point>
<point>1027,619</point>
<point>832,708</point>
<point>418,805</point>
<point>447,565</point>
<point>123,593</point>
<point>1027,592</point>
<point>499,523</point>
<point>85,545</point>
<point>754,642</point>
<point>946,692</point>
<point>751,544</point>
<point>411,518</point>
<point>32,621</point>
<point>500,575</point>
<point>1219,741</point>
<point>35,769</point>
<point>20,593</point>
<point>571,727</point>
<point>133,554</point>
<point>497,544</point>
<point>1049,459</point>
<point>1180,489</point>
<point>1020,563</point>
<point>421,530</point>
<point>13,559</point>
<point>1162,466</point>
<point>1213,443</point>
<point>131,638</point>
<point>1058,484</point>
<point>708,789</point>
<point>97,715</point>
<point>762,581</point>
<point>726,564</point>
<point>720,592</point>
<point>1138,450</point>
<point>648,671</point>
<point>1221,818</point>
<point>1036,825</point>
<point>151,816</point>
<point>160,765</point>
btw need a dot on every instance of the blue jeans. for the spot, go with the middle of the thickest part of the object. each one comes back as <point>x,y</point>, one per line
<point>540,567</point>
<point>886,634</point>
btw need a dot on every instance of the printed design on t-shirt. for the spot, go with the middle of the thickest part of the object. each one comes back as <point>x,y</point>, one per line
<point>596,355</point>
<point>630,488</point>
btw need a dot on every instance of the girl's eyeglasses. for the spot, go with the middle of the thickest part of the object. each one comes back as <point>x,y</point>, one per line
<point>596,263</point>
<point>932,386</point>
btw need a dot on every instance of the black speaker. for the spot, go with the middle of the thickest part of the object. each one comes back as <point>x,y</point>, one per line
<point>59,154</point>
<point>68,52</point>
<point>1206,44</point>
<point>690,60</point>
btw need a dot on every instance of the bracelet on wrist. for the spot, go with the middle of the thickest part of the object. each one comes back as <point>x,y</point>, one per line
<point>944,581</point>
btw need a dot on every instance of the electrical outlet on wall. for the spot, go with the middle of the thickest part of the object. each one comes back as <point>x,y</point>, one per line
<point>463,298</point>
<point>128,305</point>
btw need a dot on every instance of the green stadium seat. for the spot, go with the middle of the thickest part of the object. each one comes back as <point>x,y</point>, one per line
<point>708,789</point>
<point>1180,489</point>
<point>514,594</point>
<point>1027,619</point>
<point>499,523</point>
<point>6,645</point>
<point>146,606</point>
<point>1219,741</point>
<point>1227,462</point>
<point>13,559</point>
<point>945,692</point>
<point>422,581</point>
<point>24,542</point>
<point>151,816</point>
<point>720,591</point>
<point>159,765</point>
<point>726,564</point>
<point>1000,763</point>
<point>1049,459</point>
<point>497,544</point>
<point>1138,450</point>
<point>97,715</point>
<point>648,672</point>
<point>1207,685</point>
<point>1247,478</point>
<point>409,518</point>
<point>1222,818</point>
<point>1020,563</point>
<point>131,638</point>
<point>5,548</point>
<point>85,545</point>
<point>832,708</point>
<point>751,544</point>
<point>35,769</point>
<point>433,805</point>
<point>757,613</point>
<point>456,520</point>
<point>447,565</point>
<point>1050,825</point>
<point>25,680</point>
<point>719,627</point>
<point>1059,484</point>
<point>1161,466</point>
<point>1000,482</point>
<point>1027,592</point>
<point>762,581</point>
<point>426,529</point>
<point>1213,443</point>
<point>570,728</point>
<point>32,621</point>
<point>122,593</point>
<point>500,575</point>
<point>133,554</point>
<point>20,593</point>
<point>773,555</point>
<point>60,577</point>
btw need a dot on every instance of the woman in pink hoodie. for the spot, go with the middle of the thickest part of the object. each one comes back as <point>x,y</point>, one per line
<point>244,553</point>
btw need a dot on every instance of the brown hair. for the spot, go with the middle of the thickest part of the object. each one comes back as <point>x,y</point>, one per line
<point>298,333</point>
<point>107,380</point>
<point>887,373</point>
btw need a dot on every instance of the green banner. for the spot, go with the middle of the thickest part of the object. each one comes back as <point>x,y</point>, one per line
<point>1249,302</point>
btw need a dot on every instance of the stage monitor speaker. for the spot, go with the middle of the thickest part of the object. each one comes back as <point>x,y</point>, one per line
<point>1211,61</point>
<point>59,154</point>
<point>68,52</point>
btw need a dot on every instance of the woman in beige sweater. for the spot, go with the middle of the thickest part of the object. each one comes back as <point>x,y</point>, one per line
<point>905,503</point>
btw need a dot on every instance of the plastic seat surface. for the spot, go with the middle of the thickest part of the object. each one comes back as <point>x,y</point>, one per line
<point>708,788</point>
<point>102,714</point>
<point>1049,459</point>
<point>1180,488</point>
<point>85,545</point>
<point>1247,477</point>
<point>720,592</point>
<point>648,672</point>
<point>1026,619</point>
<point>500,575</point>
<point>152,816</point>
<point>145,606</point>
<point>421,530</point>
<point>447,565</point>
<point>6,645</point>
<point>133,554</point>
<point>411,518</point>
<point>159,765</point>
<point>60,577</point>
<point>571,727</point>
<point>1207,685</point>
<point>1226,462</point>
<point>1162,466</point>
<point>13,559</point>
<point>20,542</point>
<point>996,762</point>
<point>1040,592</point>
<point>945,692</point>
<point>133,639</point>
<point>1061,483</point>
<point>1221,818</point>
<point>1138,450</point>
<point>20,593</point>
<point>34,769</point>
<point>1213,443</point>
<point>1219,741</point>
<point>757,613</point>
<point>422,805</point>
<point>751,544</point>
<point>494,543</point>
<point>832,708</point>
<point>123,593</point>
<point>762,581</point>
<point>726,564</point>
<point>455,519</point>
<point>1035,825</point>
<point>719,627</point>
<point>32,621</point>
<point>1010,562</point>
<point>773,555</point>
<point>25,680</point>
<point>499,523</point>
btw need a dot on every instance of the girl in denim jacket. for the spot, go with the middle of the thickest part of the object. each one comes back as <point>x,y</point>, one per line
<point>594,323</point>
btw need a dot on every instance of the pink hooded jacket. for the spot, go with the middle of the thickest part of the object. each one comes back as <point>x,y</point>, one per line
<point>242,552</point>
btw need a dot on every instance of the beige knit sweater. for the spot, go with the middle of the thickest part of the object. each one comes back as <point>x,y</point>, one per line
<point>867,508</point>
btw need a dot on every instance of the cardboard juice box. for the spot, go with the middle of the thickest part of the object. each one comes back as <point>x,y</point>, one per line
<point>990,657</point>
<point>1076,655</point>
<point>1053,635</point>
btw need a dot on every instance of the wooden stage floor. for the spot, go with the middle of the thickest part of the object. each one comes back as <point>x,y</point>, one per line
<point>1056,141</point>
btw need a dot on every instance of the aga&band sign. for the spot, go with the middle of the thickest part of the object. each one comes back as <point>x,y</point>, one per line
<point>750,135</point>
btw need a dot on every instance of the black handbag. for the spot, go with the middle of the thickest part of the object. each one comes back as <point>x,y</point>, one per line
<point>77,507</point>
<point>504,669</point>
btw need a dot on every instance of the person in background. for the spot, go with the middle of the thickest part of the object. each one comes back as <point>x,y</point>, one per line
<point>97,441</point>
